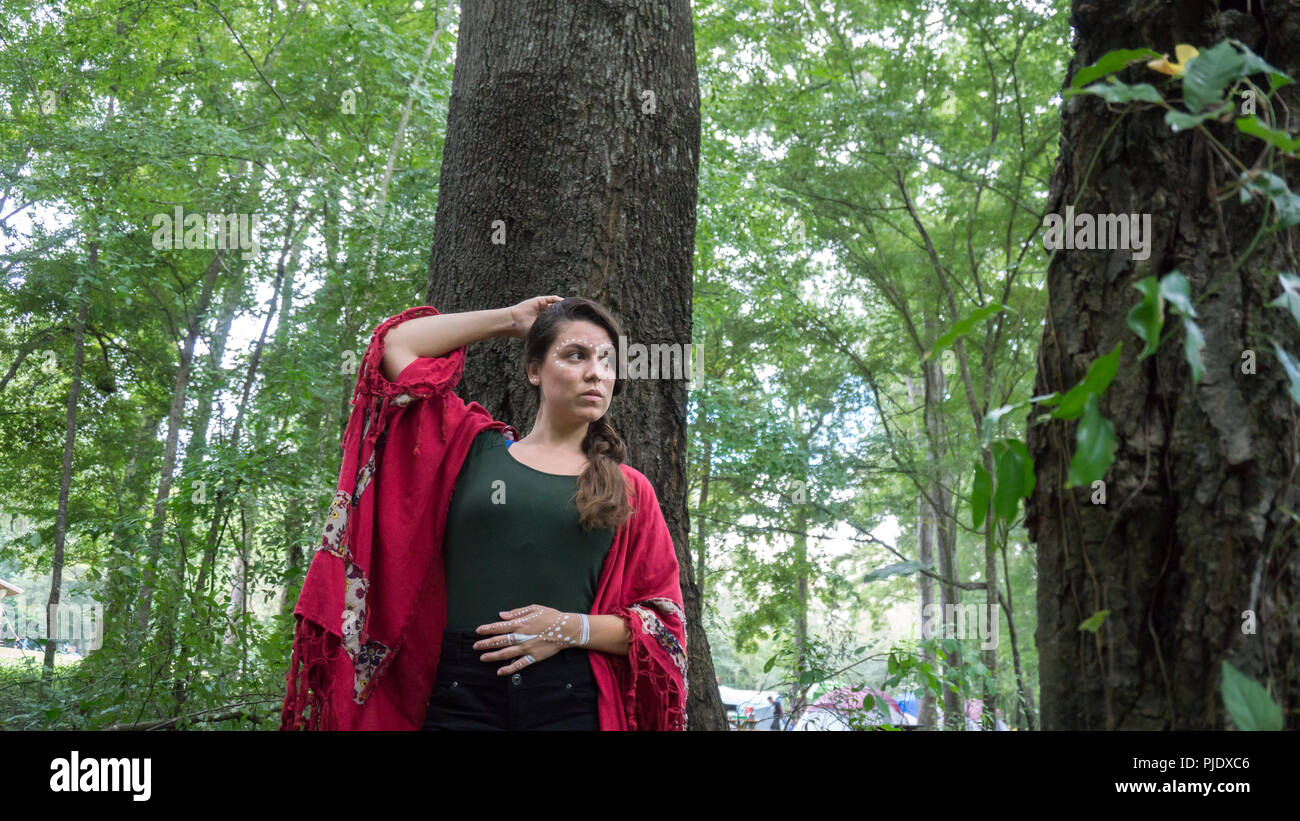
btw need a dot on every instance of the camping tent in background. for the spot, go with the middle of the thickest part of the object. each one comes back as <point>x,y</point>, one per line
<point>910,707</point>
<point>739,701</point>
<point>850,698</point>
<point>833,710</point>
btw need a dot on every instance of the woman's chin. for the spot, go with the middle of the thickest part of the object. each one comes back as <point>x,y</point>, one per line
<point>585,415</point>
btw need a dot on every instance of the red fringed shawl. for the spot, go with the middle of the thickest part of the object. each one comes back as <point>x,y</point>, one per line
<point>373,607</point>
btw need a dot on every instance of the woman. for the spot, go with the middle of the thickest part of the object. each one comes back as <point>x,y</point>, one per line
<point>401,623</point>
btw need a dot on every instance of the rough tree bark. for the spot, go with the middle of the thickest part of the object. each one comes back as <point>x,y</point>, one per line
<point>576,125</point>
<point>1193,531</point>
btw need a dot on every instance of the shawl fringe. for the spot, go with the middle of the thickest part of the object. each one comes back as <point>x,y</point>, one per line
<point>648,678</point>
<point>308,682</point>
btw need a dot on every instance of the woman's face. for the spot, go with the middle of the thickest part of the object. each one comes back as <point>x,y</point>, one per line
<point>579,362</point>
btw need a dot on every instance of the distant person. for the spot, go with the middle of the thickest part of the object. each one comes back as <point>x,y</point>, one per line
<point>777,712</point>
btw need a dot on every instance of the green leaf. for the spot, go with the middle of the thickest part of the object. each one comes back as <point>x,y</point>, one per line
<point>1009,467</point>
<point>1290,298</point>
<point>1096,447</point>
<point>1292,369</point>
<point>1027,481</point>
<point>1275,188</point>
<point>1094,383</point>
<point>1208,73</point>
<point>896,569</point>
<point>1174,288</point>
<point>1193,345</point>
<point>1113,91</point>
<point>1093,623</point>
<point>1181,120</point>
<point>981,490</point>
<point>963,327</point>
<point>932,682</point>
<point>1248,702</point>
<point>1148,316</point>
<point>1254,64</point>
<point>1273,136</point>
<point>1111,62</point>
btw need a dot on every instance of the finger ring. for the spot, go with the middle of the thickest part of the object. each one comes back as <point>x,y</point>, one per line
<point>512,639</point>
<point>529,658</point>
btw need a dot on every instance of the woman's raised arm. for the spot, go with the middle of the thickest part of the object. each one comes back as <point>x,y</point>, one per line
<point>435,335</point>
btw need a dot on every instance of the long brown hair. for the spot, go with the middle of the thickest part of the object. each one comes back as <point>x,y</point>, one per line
<point>602,491</point>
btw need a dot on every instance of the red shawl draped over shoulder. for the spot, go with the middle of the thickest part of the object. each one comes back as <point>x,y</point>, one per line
<point>373,606</point>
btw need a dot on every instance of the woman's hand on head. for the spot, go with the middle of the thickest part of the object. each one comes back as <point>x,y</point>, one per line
<point>525,313</point>
<point>540,632</point>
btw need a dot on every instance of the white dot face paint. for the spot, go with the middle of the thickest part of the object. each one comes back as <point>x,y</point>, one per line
<point>573,352</point>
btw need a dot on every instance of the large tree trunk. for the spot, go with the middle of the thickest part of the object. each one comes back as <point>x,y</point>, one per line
<point>1193,530</point>
<point>576,126</point>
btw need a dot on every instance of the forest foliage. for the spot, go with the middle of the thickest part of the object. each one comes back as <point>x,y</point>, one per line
<point>872,192</point>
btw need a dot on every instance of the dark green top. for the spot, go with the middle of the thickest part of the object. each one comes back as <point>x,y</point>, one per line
<point>513,539</point>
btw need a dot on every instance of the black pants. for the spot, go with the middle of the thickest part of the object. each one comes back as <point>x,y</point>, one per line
<point>556,693</point>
